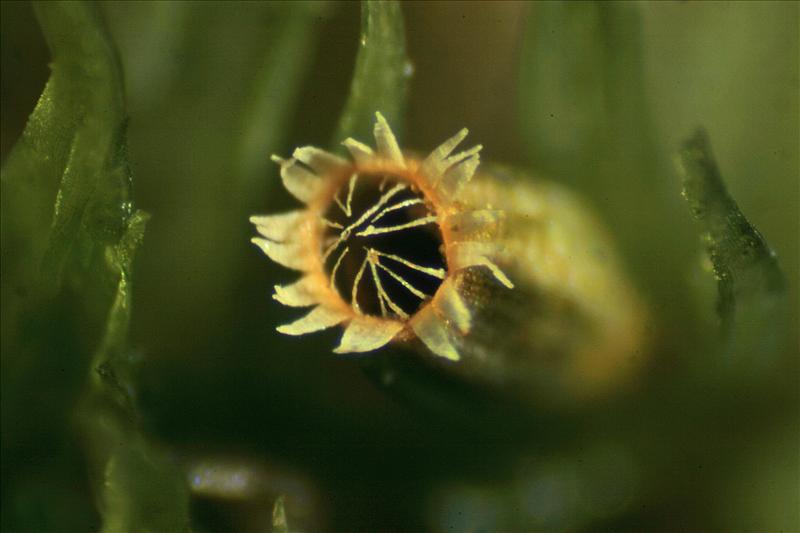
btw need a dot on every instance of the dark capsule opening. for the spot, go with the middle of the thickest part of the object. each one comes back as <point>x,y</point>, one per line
<point>382,233</point>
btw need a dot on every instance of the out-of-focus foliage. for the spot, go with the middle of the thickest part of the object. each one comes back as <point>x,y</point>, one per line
<point>138,488</point>
<point>585,116</point>
<point>176,404</point>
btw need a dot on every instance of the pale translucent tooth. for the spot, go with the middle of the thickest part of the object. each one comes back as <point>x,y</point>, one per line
<point>457,176</point>
<point>361,152</point>
<point>320,161</point>
<point>278,227</point>
<point>452,307</point>
<point>467,254</point>
<point>460,156</point>
<point>470,222</point>
<point>386,142</point>
<point>302,293</point>
<point>318,319</point>
<point>299,181</point>
<point>364,334</point>
<point>432,331</point>
<point>292,255</point>
<point>435,164</point>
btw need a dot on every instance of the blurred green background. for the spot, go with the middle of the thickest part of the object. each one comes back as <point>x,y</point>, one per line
<point>202,416</point>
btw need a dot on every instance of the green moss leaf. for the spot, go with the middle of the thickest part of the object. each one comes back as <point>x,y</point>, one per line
<point>751,286</point>
<point>74,141</point>
<point>67,184</point>
<point>381,74</point>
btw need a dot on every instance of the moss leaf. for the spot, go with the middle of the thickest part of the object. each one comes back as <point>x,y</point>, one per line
<point>381,74</point>
<point>73,143</point>
<point>751,286</point>
<point>67,184</point>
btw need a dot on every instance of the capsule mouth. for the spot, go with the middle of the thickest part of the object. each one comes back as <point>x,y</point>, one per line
<point>382,246</point>
<point>381,242</point>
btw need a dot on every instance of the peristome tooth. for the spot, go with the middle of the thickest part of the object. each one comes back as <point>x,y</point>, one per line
<point>361,152</point>
<point>466,254</point>
<point>460,156</point>
<point>278,227</point>
<point>386,141</point>
<point>290,255</point>
<point>301,293</point>
<point>433,332</point>
<point>434,164</point>
<point>457,176</point>
<point>318,319</point>
<point>452,307</point>
<point>299,181</point>
<point>320,161</point>
<point>365,334</point>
